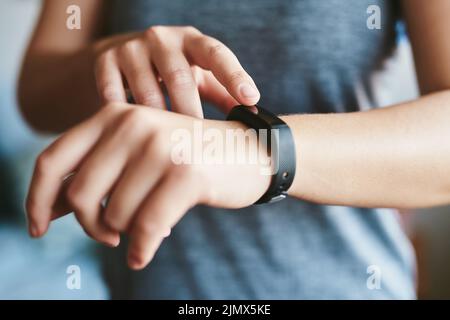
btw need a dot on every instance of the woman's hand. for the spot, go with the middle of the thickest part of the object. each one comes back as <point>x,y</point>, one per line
<point>132,156</point>
<point>189,64</point>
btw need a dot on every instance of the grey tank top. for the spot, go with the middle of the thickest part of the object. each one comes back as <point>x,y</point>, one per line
<point>306,56</point>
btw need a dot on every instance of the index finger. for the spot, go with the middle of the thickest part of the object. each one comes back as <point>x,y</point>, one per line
<point>213,55</point>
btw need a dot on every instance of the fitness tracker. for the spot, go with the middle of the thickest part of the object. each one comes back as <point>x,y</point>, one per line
<point>280,145</point>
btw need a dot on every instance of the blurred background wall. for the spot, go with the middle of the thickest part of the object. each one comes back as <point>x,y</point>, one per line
<point>37,268</point>
<point>32,269</point>
<point>429,230</point>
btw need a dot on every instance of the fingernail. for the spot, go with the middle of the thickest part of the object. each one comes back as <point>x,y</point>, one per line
<point>34,232</point>
<point>167,232</point>
<point>114,243</point>
<point>248,91</point>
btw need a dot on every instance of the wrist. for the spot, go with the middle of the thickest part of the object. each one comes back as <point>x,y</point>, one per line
<point>293,124</point>
<point>238,177</point>
<point>276,137</point>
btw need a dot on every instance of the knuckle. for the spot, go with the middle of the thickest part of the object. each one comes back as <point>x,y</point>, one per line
<point>110,109</point>
<point>155,148</point>
<point>44,162</point>
<point>155,32</point>
<point>237,76</point>
<point>76,199</point>
<point>106,54</point>
<point>215,49</point>
<point>150,227</point>
<point>109,92</point>
<point>129,46</point>
<point>180,78</point>
<point>160,146</point>
<point>132,117</point>
<point>131,123</point>
<point>112,221</point>
<point>191,30</point>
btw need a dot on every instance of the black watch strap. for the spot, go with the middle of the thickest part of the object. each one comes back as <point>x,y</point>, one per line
<point>281,146</point>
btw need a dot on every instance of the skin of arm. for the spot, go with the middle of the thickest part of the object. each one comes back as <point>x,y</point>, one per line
<point>396,156</point>
<point>58,67</point>
<point>78,69</point>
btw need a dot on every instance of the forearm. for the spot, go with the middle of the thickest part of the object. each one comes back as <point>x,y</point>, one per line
<point>397,156</point>
<point>57,90</point>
